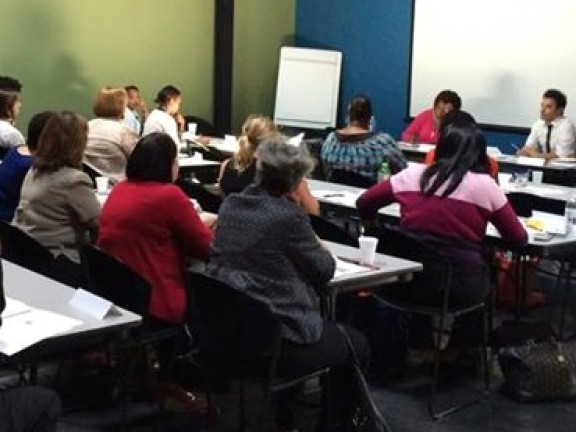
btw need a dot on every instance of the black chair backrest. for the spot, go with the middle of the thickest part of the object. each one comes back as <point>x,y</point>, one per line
<point>350,178</point>
<point>235,330</point>
<point>92,172</point>
<point>327,230</point>
<point>211,153</point>
<point>525,203</point>
<point>208,201</point>
<point>115,281</point>
<point>203,126</point>
<point>19,248</point>
<point>437,269</point>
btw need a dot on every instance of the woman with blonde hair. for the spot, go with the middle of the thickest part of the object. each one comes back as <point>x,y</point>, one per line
<point>238,172</point>
<point>110,142</point>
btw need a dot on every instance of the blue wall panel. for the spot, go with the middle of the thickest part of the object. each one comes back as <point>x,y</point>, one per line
<point>374,37</point>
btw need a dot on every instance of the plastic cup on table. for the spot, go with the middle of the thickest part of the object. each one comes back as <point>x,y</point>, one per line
<point>537,177</point>
<point>367,249</point>
<point>102,185</point>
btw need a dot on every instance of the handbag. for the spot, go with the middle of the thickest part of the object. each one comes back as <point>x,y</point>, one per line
<point>535,372</point>
<point>366,416</point>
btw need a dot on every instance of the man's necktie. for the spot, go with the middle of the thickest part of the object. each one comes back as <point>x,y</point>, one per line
<point>548,134</point>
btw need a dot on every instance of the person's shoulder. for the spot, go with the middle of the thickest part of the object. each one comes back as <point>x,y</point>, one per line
<point>72,176</point>
<point>332,136</point>
<point>424,114</point>
<point>566,122</point>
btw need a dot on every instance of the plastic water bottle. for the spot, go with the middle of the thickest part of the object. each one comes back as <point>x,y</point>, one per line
<point>372,126</point>
<point>570,214</point>
<point>384,173</point>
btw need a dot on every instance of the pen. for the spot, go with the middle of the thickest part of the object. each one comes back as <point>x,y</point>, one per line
<point>515,146</point>
<point>333,195</point>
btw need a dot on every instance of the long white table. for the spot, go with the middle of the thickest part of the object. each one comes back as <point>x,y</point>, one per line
<point>343,196</point>
<point>385,270</point>
<point>44,293</point>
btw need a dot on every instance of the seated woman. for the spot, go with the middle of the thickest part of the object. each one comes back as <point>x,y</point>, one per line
<point>10,105</point>
<point>238,172</point>
<point>425,126</point>
<point>356,149</point>
<point>58,206</point>
<point>265,238</point>
<point>16,164</point>
<point>452,200</point>
<point>155,246</point>
<point>166,116</point>
<point>110,142</point>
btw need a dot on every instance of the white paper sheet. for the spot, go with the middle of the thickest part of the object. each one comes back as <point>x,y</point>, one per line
<point>346,267</point>
<point>23,330</point>
<point>14,307</point>
<point>345,198</point>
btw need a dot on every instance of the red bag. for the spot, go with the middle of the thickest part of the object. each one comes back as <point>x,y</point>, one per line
<point>508,283</point>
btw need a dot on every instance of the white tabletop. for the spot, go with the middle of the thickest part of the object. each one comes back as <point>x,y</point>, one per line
<point>195,162</point>
<point>345,196</point>
<point>44,293</point>
<point>554,164</point>
<point>386,269</point>
<point>420,149</point>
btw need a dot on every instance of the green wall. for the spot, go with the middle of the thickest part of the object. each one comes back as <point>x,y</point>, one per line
<point>64,50</point>
<point>261,27</point>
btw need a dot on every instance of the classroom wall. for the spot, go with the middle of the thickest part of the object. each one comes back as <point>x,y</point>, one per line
<point>261,27</point>
<point>374,37</point>
<point>64,50</point>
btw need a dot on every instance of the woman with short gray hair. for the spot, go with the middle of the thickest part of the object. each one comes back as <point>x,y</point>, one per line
<point>265,238</point>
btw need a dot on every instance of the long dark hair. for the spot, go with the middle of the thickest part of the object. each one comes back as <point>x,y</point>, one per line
<point>152,159</point>
<point>461,148</point>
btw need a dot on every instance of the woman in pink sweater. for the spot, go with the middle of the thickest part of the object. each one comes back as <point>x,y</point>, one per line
<point>425,126</point>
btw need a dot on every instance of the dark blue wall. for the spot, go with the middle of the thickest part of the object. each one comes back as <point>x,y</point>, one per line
<point>374,37</point>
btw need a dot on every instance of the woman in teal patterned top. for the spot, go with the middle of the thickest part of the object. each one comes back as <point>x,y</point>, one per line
<point>357,149</point>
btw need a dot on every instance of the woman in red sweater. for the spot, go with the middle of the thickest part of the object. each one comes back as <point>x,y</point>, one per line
<point>151,225</point>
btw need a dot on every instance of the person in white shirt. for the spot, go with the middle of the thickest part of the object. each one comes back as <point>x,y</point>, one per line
<point>553,135</point>
<point>136,109</point>
<point>166,117</point>
<point>10,105</point>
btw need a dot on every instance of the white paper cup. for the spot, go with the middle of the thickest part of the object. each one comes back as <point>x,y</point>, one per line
<point>192,129</point>
<point>537,177</point>
<point>367,249</point>
<point>102,185</point>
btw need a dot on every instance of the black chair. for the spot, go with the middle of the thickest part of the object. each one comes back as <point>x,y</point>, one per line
<point>350,178</point>
<point>525,203</point>
<point>327,230</point>
<point>92,172</point>
<point>203,126</point>
<point>209,201</point>
<point>19,248</point>
<point>240,339</point>
<point>115,281</point>
<point>437,276</point>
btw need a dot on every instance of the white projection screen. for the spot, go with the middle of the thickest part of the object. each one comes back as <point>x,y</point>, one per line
<point>499,55</point>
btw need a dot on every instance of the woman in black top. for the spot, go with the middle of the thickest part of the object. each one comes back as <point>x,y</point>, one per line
<point>239,171</point>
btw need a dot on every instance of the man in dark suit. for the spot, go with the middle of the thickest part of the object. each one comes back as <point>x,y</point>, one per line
<point>27,409</point>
